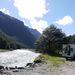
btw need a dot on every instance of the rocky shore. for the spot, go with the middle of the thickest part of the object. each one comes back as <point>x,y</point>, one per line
<point>44,69</point>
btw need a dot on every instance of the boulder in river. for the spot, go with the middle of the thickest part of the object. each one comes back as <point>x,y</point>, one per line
<point>1,67</point>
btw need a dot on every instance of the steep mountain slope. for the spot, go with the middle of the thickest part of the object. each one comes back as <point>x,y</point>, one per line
<point>16,28</point>
<point>35,33</point>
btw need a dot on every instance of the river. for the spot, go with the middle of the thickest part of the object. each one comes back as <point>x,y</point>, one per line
<point>19,57</point>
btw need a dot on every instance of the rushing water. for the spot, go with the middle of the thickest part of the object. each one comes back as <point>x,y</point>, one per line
<point>17,57</point>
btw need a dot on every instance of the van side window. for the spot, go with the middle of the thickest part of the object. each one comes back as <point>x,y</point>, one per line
<point>65,50</point>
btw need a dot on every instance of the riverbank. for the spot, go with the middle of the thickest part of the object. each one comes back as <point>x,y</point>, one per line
<point>45,69</point>
<point>51,65</point>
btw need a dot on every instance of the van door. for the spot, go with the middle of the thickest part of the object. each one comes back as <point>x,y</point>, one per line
<point>70,53</point>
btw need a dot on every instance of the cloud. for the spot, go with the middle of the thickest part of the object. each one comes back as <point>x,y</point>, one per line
<point>4,10</point>
<point>65,21</point>
<point>32,9</point>
<point>39,25</point>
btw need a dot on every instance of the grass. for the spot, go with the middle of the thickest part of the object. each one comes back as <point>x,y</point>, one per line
<point>3,50</point>
<point>54,59</point>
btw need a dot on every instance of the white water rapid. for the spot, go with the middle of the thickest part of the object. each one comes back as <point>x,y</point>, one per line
<point>18,57</point>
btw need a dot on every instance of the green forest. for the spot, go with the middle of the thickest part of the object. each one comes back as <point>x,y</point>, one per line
<point>7,42</point>
<point>52,40</point>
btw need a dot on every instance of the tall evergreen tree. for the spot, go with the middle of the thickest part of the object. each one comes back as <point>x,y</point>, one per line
<point>51,40</point>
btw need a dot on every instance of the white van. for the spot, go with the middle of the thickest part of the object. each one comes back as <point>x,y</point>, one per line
<point>69,51</point>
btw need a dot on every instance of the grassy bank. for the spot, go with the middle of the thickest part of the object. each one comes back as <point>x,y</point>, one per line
<point>52,59</point>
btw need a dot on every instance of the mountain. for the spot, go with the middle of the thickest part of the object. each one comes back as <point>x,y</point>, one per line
<point>35,33</point>
<point>16,28</point>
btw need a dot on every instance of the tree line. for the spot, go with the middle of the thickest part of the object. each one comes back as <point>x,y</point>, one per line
<point>7,42</point>
<point>52,40</point>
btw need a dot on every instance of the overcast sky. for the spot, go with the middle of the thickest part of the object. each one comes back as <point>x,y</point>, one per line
<point>39,14</point>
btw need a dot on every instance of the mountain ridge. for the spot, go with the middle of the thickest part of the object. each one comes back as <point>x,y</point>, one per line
<point>16,28</point>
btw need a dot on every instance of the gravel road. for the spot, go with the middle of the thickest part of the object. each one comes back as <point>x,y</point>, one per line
<point>46,69</point>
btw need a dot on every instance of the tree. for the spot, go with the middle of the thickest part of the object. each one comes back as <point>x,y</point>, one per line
<point>69,39</point>
<point>51,40</point>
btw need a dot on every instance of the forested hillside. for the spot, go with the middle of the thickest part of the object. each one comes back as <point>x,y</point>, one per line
<point>16,28</point>
<point>7,42</point>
